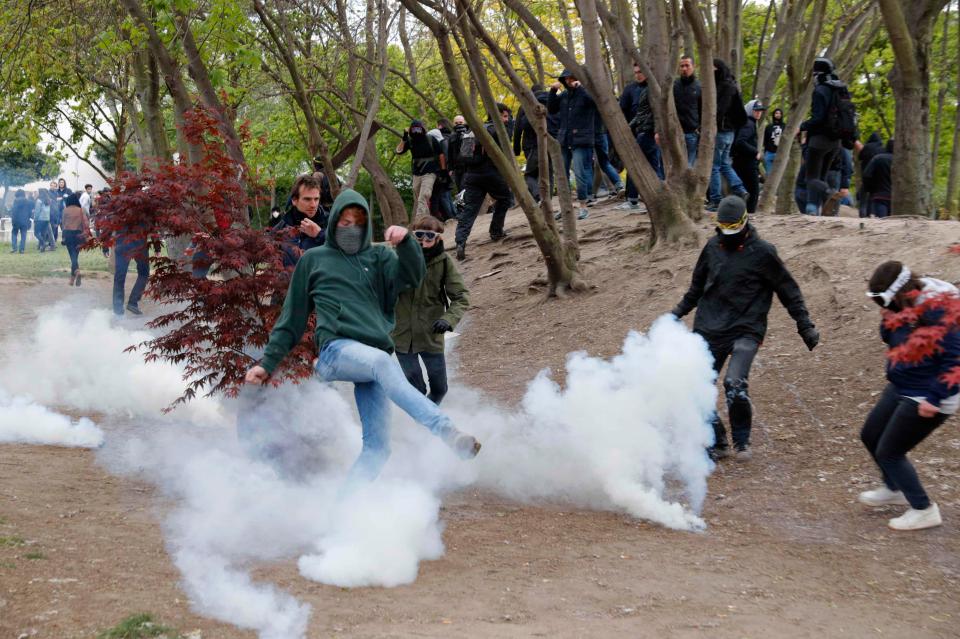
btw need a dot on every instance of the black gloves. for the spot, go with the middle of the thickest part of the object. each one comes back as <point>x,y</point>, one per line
<point>676,312</point>
<point>442,326</point>
<point>810,337</point>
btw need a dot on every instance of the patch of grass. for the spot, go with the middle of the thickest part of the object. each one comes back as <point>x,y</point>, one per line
<point>13,541</point>
<point>36,554</point>
<point>7,564</point>
<point>51,263</point>
<point>3,522</point>
<point>139,626</point>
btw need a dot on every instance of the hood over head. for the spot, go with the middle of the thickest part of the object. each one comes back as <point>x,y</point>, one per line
<point>875,137</point>
<point>566,73</point>
<point>723,71</point>
<point>348,197</point>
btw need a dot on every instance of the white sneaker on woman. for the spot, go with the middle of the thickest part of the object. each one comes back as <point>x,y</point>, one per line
<point>917,519</point>
<point>882,496</point>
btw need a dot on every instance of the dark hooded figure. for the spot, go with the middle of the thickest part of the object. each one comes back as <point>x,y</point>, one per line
<point>732,289</point>
<point>873,147</point>
<point>822,143</point>
<point>878,181</point>
<point>730,117</point>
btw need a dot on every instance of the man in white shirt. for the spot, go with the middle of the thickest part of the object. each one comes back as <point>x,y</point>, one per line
<point>86,198</point>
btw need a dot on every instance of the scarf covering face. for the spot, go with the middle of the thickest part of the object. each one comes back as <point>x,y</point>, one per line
<point>434,250</point>
<point>350,238</point>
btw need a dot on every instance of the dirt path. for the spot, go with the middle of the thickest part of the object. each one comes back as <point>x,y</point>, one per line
<point>787,552</point>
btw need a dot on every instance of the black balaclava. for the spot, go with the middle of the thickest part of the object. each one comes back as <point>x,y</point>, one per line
<point>433,251</point>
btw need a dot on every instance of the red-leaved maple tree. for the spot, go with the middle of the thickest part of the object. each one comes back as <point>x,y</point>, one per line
<point>216,325</point>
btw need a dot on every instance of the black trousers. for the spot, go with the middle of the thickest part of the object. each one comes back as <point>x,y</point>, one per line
<point>476,187</point>
<point>894,428</point>
<point>817,164</point>
<point>741,351</point>
<point>749,172</point>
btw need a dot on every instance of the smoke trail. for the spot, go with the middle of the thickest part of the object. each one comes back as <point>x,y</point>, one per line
<point>25,422</point>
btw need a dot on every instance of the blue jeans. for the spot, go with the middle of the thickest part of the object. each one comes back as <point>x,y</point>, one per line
<point>651,151</point>
<point>723,165</point>
<point>377,379</point>
<point>603,160</point>
<point>125,252</point>
<point>22,230</point>
<point>693,141</point>
<point>73,241</point>
<point>582,159</point>
<point>768,158</point>
<point>436,365</point>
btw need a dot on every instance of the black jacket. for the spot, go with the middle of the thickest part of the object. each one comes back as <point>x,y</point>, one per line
<point>871,149</point>
<point>524,135</point>
<point>730,113</point>
<point>771,135</point>
<point>635,105</point>
<point>294,247</point>
<point>453,147</point>
<point>687,96</point>
<point>578,116</point>
<point>820,105</point>
<point>745,142</point>
<point>732,290</point>
<point>21,211</point>
<point>482,162</point>
<point>876,177</point>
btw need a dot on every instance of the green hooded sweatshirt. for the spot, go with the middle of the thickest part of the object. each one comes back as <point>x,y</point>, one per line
<point>353,295</point>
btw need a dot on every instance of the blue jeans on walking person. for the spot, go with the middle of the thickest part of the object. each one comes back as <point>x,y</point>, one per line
<point>126,251</point>
<point>436,365</point>
<point>693,141</point>
<point>22,230</point>
<point>73,240</point>
<point>582,159</point>
<point>651,151</point>
<point>377,380</point>
<point>768,158</point>
<point>723,165</point>
<point>603,160</point>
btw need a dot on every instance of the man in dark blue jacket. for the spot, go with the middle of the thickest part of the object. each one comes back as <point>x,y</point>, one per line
<point>687,97</point>
<point>20,215</point>
<point>578,132</point>
<point>304,214</point>
<point>525,140</point>
<point>635,105</point>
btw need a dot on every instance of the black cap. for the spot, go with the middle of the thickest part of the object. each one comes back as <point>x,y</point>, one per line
<point>731,214</point>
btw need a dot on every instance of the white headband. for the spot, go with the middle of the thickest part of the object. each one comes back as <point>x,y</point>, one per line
<point>888,295</point>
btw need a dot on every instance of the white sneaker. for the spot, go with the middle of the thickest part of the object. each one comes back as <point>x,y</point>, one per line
<point>583,214</point>
<point>627,206</point>
<point>882,496</point>
<point>917,519</point>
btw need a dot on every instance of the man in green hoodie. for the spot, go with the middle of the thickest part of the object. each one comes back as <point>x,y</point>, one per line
<point>352,285</point>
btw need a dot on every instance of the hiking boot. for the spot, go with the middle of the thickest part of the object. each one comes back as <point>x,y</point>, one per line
<point>583,214</point>
<point>917,519</point>
<point>743,453</point>
<point>461,252</point>
<point>496,237</point>
<point>627,206</point>
<point>882,496</point>
<point>718,452</point>
<point>78,278</point>
<point>463,445</point>
<point>133,308</point>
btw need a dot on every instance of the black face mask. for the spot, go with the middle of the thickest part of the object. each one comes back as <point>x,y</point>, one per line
<point>734,241</point>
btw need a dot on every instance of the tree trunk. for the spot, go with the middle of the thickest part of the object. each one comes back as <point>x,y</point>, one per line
<point>941,96</point>
<point>910,29</point>
<point>952,204</point>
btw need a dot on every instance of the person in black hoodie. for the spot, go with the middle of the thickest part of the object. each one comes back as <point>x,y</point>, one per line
<point>20,214</point>
<point>577,134</point>
<point>732,288</point>
<point>873,147</point>
<point>822,144</point>
<point>636,109</point>
<point>457,168</point>
<point>878,181</point>
<point>304,214</point>
<point>525,140</point>
<point>687,97</point>
<point>730,117</point>
<point>481,179</point>
<point>746,154</point>
<point>771,139</point>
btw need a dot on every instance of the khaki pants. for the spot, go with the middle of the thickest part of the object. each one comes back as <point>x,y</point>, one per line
<point>422,190</point>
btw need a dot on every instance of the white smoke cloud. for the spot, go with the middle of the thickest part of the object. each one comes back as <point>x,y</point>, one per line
<point>626,434</point>
<point>25,422</point>
<point>74,357</point>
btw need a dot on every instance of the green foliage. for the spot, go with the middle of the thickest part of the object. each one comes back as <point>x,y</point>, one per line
<point>11,541</point>
<point>139,626</point>
<point>36,554</point>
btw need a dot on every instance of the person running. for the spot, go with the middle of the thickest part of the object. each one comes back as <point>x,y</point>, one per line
<point>76,232</point>
<point>916,400</point>
<point>771,139</point>
<point>730,117</point>
<point>426,313</point>
<point>351,286</point>
<point>732,288</point>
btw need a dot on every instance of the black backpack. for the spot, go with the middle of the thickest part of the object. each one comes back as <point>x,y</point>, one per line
<point>841,121</point>
<point>468,149</point>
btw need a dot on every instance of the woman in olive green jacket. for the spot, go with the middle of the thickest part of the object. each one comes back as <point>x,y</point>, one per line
<point>426,313</point>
